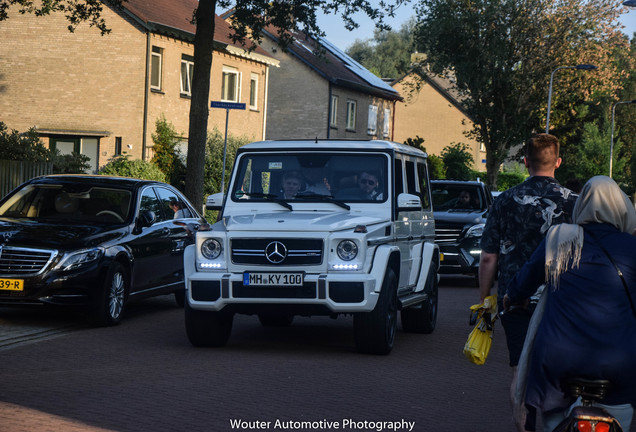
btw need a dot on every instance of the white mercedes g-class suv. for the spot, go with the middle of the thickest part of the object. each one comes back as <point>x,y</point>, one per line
<point>320,227</point>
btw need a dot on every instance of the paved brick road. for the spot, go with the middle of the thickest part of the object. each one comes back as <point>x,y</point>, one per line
<point>144,376</point>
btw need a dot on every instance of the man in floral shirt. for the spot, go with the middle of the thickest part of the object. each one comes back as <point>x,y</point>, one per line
<point>516,224</point>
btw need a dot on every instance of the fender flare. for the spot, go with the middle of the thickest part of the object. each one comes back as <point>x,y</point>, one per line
<point>385,256</point>
<point>430,262</point>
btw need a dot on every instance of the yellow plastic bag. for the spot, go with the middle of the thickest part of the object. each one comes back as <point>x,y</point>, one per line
<point>479,340</point>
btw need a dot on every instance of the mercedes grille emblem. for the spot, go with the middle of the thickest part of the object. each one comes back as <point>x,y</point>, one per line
<point>275,252</point>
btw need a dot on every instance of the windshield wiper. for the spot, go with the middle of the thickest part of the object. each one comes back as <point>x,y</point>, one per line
<point>270,197</point>
<point>326,198</point>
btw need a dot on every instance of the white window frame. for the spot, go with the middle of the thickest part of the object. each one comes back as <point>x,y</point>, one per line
<point>158,55</point>
<point>372,123</point>
<point>254,91</point>
<point>351,114</point>
<point>186,85</point>
<point>387,122</point>
<point>333,121</point>
<point>225,96</point>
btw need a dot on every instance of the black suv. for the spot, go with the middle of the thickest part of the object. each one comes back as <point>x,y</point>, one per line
<point>460,209</point>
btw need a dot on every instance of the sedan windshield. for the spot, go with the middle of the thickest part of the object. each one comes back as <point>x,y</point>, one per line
<point>457,198</point>
<point>60,202</point>
<point>303,177</point>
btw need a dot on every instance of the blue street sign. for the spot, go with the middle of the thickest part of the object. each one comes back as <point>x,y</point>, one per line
<point>227,105</point>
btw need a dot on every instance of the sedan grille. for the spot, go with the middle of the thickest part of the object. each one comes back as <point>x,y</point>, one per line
<point>269,251</point>
<point>24,262</point>
<point>448,233</point>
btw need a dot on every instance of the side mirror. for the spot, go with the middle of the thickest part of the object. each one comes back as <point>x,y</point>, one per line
<point>409,202</point>
<point>145,219</point>
<point>215,201</point>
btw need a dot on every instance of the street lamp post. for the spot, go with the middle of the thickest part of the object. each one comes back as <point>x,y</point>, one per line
<point>612,134</point>
<point>579,67</point>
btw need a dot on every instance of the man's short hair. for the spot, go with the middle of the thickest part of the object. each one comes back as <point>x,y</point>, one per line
<point>542,151</point>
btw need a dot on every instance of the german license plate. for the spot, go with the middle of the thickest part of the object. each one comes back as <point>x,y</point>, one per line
<point>273,279</point>
<point>12,284</point>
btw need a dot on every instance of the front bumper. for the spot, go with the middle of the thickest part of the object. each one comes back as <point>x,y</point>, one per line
<point>74,288</point>
<point>321,293</point>
<point>460,259</point>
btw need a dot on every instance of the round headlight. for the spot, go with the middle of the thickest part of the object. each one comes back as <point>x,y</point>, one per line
<point>347,250</point>
<point>211,249</point>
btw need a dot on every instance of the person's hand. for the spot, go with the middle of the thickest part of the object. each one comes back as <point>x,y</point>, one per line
<point>506,303</point>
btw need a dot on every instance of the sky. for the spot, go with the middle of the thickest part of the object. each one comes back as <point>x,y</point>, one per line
<point>342,38</point>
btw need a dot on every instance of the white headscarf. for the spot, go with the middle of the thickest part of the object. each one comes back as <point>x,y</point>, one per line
<point>600,201</point>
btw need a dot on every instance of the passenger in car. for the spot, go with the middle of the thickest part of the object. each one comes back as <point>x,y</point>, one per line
<point>293,181</point>
<point>466,201</point>
<point>368,183</point>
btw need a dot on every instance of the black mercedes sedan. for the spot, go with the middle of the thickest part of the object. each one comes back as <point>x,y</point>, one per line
<point>93,242</point>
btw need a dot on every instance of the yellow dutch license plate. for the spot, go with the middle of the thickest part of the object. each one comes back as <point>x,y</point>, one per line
<point>441,257</point>
<point>12,284</point>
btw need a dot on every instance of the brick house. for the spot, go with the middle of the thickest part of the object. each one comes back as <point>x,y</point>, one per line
<point>101,95</point>
<point>432,111</point>
<point>327,96</point>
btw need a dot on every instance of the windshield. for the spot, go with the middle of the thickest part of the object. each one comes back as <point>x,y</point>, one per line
<point>305,176</point>
<point>457,197</point>
<point>64,203</point>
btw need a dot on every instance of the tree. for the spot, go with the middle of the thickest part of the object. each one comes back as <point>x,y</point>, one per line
<point>214,160</point>
<point>500,54</point>
<point>458,160</point>
<point>388,54</point>
<point>167,156</point>
<point>249,19</point>
<point>135,168</point>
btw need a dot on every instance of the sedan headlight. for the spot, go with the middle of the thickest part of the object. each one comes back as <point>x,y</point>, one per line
<point>80,258</point>
<point>475,230</point>
<point>347,250</point>
<point>211,249</point>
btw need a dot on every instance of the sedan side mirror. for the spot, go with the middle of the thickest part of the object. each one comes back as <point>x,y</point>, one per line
<point>146,218</point>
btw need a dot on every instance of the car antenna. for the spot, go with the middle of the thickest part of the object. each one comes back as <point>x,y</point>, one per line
<point>316,140</point>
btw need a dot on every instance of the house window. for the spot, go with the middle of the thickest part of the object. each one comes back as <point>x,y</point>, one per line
<point>156,64</point>
<point>230,85</point>
<point>333,119</point>
<point>351,114</point>
<point>254,91</point>
<point>387,122</point>
<point>187,68</point>
<point>372,123</point>
<point>88,146</point>
<point>117,146</point>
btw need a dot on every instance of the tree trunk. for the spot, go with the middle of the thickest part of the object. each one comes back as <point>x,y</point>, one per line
<point>199,110</point>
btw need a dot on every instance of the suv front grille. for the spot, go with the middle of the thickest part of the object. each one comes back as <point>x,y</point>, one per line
<point>286,252</point>
<point>23,261</point>
<point>446,233</point>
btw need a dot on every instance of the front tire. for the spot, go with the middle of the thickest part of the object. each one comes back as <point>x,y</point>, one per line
<point>374,331</point>
<point>207,328</point>
<point>111,301</point>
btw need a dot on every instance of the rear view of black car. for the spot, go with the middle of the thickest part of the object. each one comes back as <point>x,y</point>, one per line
<point>460,209</point>
<point>92,242</point>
